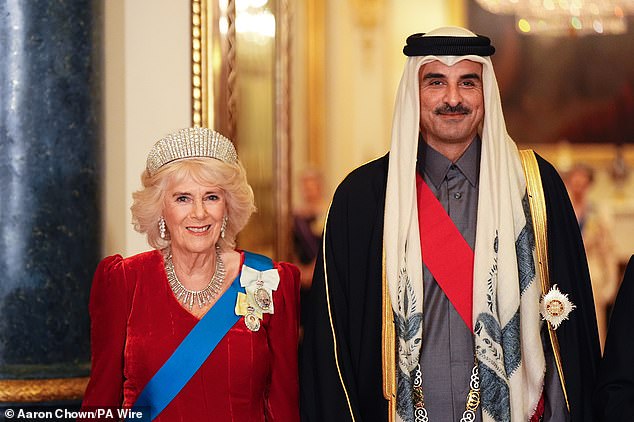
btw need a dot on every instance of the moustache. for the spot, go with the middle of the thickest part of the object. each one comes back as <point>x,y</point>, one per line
<point>447,109</point>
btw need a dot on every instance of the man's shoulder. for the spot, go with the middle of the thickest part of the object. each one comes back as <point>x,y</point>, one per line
<point>363,189</point>
<point>545,167</point>
<point>551,180</point>
<point>372,173</point>
<point>549,175</point>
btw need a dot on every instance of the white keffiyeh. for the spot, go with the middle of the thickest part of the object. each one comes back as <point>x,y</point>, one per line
<point>506,284</point>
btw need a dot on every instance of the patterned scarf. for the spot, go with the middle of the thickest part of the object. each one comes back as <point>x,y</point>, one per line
<point>506,284</point>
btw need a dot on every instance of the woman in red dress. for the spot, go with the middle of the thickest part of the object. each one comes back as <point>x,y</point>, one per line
<point>195,297</point>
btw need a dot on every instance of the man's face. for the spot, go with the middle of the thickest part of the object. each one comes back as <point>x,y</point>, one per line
<point>451,102</point>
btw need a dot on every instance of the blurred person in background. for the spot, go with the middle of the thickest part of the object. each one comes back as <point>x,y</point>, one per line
<point>595,222</point>
<point>308,222</point>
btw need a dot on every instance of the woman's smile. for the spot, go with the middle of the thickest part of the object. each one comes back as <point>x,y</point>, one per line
<point>199,229</point>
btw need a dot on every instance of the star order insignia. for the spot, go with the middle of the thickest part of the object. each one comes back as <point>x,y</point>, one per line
<point>555,307</point>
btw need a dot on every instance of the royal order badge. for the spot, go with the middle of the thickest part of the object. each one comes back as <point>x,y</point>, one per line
<point>259,287</point>
<point>555,307</point>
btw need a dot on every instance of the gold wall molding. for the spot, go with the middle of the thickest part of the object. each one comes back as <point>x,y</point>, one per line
<point>213,66</point>
<point>316,82</point>
<point>282,143</point>
<point>457,13</point>
<point>232,72</point>
<point>41,390</point>
<point>199,68</point>
<point>219,73</point>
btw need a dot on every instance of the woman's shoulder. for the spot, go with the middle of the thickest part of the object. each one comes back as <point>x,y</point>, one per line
<point>118,266</point>
<point>265,260</point>
<point>289,285</point>
<point>290,282</point>
<point>131,260</point>
<point>116,277</point>
<point>144,259</point>
<point>289,269</point>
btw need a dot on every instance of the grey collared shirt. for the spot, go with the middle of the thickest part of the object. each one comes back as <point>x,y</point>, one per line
<point>447,355</point>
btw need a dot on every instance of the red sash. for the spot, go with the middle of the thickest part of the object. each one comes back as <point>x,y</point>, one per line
<point>445,252</point>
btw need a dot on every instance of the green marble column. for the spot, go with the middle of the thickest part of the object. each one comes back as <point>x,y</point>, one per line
<point>50,183</point>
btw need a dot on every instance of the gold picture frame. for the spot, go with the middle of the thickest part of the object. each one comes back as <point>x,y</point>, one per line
<point>240,87</point>
<point>42,390</point>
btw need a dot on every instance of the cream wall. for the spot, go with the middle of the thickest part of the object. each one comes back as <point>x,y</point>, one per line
<point>147,89</point>
<point>363,69</point>
<point>147,95</point>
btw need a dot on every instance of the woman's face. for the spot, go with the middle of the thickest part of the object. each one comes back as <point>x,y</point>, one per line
<point>193,215</point>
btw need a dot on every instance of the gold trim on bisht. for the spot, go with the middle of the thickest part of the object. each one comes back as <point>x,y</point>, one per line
<point>537,203</point>
<point>39,390</point>
<point>388,348</point>
<point>332,325</point>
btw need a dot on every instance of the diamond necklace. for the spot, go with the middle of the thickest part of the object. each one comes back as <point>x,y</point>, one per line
<point>201,297</point>
<point>473,398</point>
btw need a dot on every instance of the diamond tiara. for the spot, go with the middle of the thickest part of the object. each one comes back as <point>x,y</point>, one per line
<point>190,143</point>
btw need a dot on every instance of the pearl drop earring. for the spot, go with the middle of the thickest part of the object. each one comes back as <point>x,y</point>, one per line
<point>162,231</point>
<point>223,228</point>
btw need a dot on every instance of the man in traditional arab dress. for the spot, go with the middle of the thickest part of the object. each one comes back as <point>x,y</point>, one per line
<point>443,290</point>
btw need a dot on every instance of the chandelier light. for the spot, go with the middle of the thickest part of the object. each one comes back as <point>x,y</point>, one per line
<point>565,17</point>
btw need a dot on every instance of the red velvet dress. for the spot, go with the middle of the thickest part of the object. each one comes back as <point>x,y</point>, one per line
<point>137,323</point>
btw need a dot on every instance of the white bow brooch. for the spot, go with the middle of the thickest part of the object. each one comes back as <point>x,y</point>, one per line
<point>259,286</point>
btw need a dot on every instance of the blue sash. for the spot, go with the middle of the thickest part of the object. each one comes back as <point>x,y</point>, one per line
<point>193,351</point>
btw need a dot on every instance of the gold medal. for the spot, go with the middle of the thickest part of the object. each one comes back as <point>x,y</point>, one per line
<point>262,298</point>
<point>473,400</point>
<point>252,322</point>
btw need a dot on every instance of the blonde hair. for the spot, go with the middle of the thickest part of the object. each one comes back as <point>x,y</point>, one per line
<point>148,202</point>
